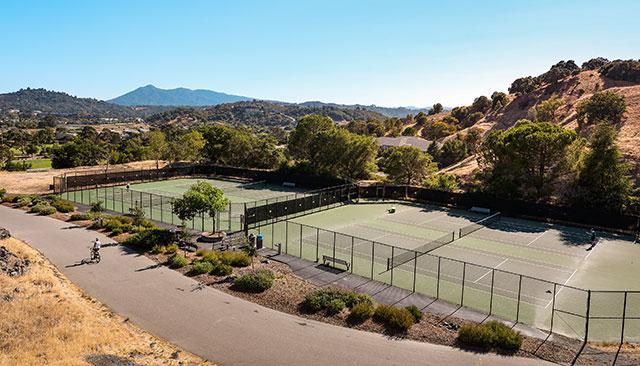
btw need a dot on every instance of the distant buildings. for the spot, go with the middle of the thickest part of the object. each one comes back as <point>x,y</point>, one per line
<point>420,143</point>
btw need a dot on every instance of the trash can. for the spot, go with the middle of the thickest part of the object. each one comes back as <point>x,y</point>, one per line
<point>259,240</point>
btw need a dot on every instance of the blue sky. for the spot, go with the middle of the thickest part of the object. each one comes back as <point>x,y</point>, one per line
<point>371,52</point>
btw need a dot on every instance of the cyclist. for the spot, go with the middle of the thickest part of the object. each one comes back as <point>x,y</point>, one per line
<point>95,250</point>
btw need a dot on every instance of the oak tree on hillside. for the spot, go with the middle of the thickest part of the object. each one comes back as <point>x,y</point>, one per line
<point>407,165</point>
<point>604,106</point>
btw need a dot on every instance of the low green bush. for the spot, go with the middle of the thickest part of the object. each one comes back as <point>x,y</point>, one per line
<point>158,249</point>
<point>235,259</point>
<point>211,257</point>
<point>117,231</point>
<point>361,312</point>
<point>320,299</point>
<point>415,312</point>
<point>145,240</point>
<point>48,211</point>
<point>63,206</point>
<point>38,208</point>
<point>81,216</point>
<point>171,248</point>
<point>254,281</point>
<point>2,193</point>
<point>202,252</point>
<point>128,228</point>
<point>98,223</point>
<point>201,267</point>
<point>97,207</point>
<point>335,306</point>
<point>124,220</point>
<point>23,201</point>
<point>394,319</point>
<point>221,269</point>
<point>112,225</point>
<point>178,261</point>
<point>489,335</point>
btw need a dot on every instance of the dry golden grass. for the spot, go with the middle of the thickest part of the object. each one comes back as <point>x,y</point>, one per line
<point>51,322</point>
<point>38,182</point>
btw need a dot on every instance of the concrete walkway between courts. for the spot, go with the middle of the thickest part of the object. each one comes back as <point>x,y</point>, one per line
<point>212,324</point>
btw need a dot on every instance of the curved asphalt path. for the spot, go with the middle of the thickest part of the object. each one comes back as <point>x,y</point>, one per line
<point>211,323</point>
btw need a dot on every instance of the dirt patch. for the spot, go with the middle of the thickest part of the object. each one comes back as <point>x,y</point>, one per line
<point>48,320</point>
<point>38,182</point>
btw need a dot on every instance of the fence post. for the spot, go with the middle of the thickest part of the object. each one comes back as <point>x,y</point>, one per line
<point>586,325</point>
<point>286,236</point>
<point>624,315</point>
<point>438,280</point>
<point>518,303</point>
<point>373,256</point>
<point>151,206</point>
<point>352,246</point>
<point>415,265</point>
<point>553,305</point>
<point>300,241</point>
<point>392,255</point>
<point>317,244</point>
<point>334,248</point>
<point>493,275</point>
<point>464,273</point>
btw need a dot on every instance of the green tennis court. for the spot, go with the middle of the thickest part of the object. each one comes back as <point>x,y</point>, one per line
<point>519,270</point>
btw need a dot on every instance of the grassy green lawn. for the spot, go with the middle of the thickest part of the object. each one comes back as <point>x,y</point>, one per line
<point>39,163</point>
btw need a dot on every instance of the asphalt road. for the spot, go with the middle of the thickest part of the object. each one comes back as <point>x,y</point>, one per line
<point>212,324</point>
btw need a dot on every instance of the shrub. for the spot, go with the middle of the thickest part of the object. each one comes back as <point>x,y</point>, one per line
<point>394,319</point>
<point>178,261</point>
<point>2,193</point>
<point>97,207</point>
<point>124,220</point>
<point>201,267</point>
<point>415,312</point>
<point>361,312</point>
<point>254,281</point>
<point>202,252</point>
<point>23,201</point>
<point>601,107</point>
<point>128,228</point>
<point>112,225</point>
<point>81,216</point>
<point>221,269</point>
<point>158,249</point>
<point>235,259</point>
<point>63,206</point>
<point>138,215</point>
<point>335,306</point>
<point>38,208</point>
<point>171,248</point>
<point>490,335</point>
<point>320,299</point>
<point>146,239</point>
<point>211,257</point>
<point>117,231</point>
<point>97,224</point>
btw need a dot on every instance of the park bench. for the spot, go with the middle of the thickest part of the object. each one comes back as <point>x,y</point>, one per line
<point>329,259</point>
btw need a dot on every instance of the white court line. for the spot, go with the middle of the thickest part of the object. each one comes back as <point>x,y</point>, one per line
<point>593,249</point>
<point>538,237</point>
<point>491,270</point>
<point>565,282</point>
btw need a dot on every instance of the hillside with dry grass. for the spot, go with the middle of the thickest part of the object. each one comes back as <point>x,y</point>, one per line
<point>569,92</point>
<point>46,320</point>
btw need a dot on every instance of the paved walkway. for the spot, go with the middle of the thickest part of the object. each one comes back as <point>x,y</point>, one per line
<point>211,323</point>
<point>386,294</point>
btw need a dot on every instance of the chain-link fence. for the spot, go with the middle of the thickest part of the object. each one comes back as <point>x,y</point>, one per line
<point>603,316</point>
<point>158,208</point>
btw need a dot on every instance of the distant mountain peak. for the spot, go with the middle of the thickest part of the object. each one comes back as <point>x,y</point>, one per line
<point>152,95</point>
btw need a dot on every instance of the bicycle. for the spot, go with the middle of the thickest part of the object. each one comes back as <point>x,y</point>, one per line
<point>94,257</point>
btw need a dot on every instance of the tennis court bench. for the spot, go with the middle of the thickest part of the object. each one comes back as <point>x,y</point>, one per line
<point>326,258</point>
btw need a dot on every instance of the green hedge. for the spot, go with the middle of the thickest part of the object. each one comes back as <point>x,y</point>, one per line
<point>201,267</point>
<point>81,216</point>
<point>63,206</point>
<point>489,335</point>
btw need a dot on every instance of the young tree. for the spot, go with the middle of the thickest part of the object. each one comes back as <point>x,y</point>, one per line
<point>407,165</point>
<point>157,146</point>
<point>188,147</point>
<point>525,160</point>
<point>601,107</point>
<point>499,100</point>
<point>202,198</point>
<point>437,108</point>
<point>602,181</point>
<point>481,104</point>
<point>5,154</point>
<point>546,110</point>
<point>453,150</point>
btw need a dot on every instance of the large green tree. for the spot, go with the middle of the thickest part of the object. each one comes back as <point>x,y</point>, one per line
<point>341,154</point>
<point>188,147</point>
<point>526,160</point>
<point>201,198</point>
<point>602,180</point>
<point>76,153</point>
<point>157,146</point>
<point>407,165</point>
<point>303,135</point>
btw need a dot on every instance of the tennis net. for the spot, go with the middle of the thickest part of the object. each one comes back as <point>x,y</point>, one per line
<point>405,257</point>
<point>464,231</point>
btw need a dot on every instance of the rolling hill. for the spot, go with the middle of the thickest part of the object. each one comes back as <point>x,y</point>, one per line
<point>179,97</point>
<point>52,102</point>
